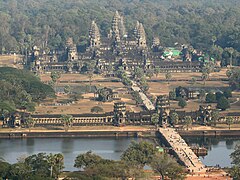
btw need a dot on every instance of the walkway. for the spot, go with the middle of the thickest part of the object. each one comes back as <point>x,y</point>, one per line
<point>147,103</point>
<point>182,150</point>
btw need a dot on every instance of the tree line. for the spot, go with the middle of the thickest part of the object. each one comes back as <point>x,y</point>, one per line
<point>20,89</point>
<point>92,166</point>
<point>209,25</point>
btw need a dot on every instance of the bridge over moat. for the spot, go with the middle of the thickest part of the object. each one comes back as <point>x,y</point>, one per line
<point>181,150</point>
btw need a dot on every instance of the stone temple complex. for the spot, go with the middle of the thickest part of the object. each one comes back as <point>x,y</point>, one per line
<point>117,49</point>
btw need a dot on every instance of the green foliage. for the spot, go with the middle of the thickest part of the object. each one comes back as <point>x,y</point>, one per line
<point>155,118</point>
<point>227,93</point>
<point>137,97</point>
<point>215,117</point>
<point>67,121</point>
<point>223,103</point>
<point>188,121</point>
<point>139,154</point>
<point>67,89</point>
<point>182,102</point>
<point>167,166</point>
<point>211,98</point>
<point>4,167</point>
<point>96,109</point>
<point>174,118</point>
<point>35,167</point>
<point>21,89</point>
<point>235,156</point>
<point>54,21</point>
<point>229,121</point>
<point>172,95</point>
<point>55,76</point>
<point>219,95</point>
<point>86,160</point>
<point>168,76</point>
<point>138,73</point>
<point>234,78</point>
<point>150,73</point>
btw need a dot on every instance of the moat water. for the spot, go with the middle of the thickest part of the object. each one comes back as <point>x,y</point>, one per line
<point>111,148</point>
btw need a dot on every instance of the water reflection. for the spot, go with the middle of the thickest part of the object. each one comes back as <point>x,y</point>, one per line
<point>111,148</point>
<point>219,149</point>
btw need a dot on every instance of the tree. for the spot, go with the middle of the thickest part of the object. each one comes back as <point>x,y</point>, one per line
<point>4,167</point>
<point>219,95</point>
<point>67,89</point>
<point>211,98</point>
<point>223,104</point>
<point>227,93</point>
<point>202,95</point>
<point>229,73</point>
<point>150,73</point>
<point>168,76</point>
<point>55,76</point>
<point>38,164</point>
<point>87,159</point>
<point>56,162</point>
<point>139,154</point>
<point>90,76</point>
<point>30,122</point>
<point>235,156</point>
<point>172,95</point>
<point>182,102</point>
<point>138,73</point>
<point>215,117</point>
<point>155,118</point>
<point>96,109</point>
<point>166,166</point>
<point>193,81</point>
<point>67,121</point>
<point>174,118</point>
<point>229,121</point>
<point>188,121</point>
<point>157,71</point>
<point>204,77</point>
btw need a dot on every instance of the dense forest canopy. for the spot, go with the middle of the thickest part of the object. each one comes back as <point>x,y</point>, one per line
<point>21,89</point>
<point>49,23</point>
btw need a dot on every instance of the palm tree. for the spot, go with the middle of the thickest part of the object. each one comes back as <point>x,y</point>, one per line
<point>67,121</point>
<point>168,76</point>
<point>56,162</point>
<point>229,121</point>
<point>204,76</point>
<point>174,118</point>
<point>188,121</point>
<point>30,122</point>
<point>155,118</point>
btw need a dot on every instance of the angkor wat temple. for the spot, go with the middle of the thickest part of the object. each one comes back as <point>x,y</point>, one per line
<point>116,49</point>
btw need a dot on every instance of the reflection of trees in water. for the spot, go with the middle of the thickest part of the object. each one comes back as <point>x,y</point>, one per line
<point>30,142</point>
<point>230,143</point>
<point>209,142</point>
<point>67,145</point>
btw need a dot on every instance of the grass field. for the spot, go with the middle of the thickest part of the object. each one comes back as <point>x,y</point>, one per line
<point>155,89</point>
<point>11,61</point>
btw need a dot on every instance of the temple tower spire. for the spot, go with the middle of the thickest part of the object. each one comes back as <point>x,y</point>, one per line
<point>94,35</point>
<point>141,36</point>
